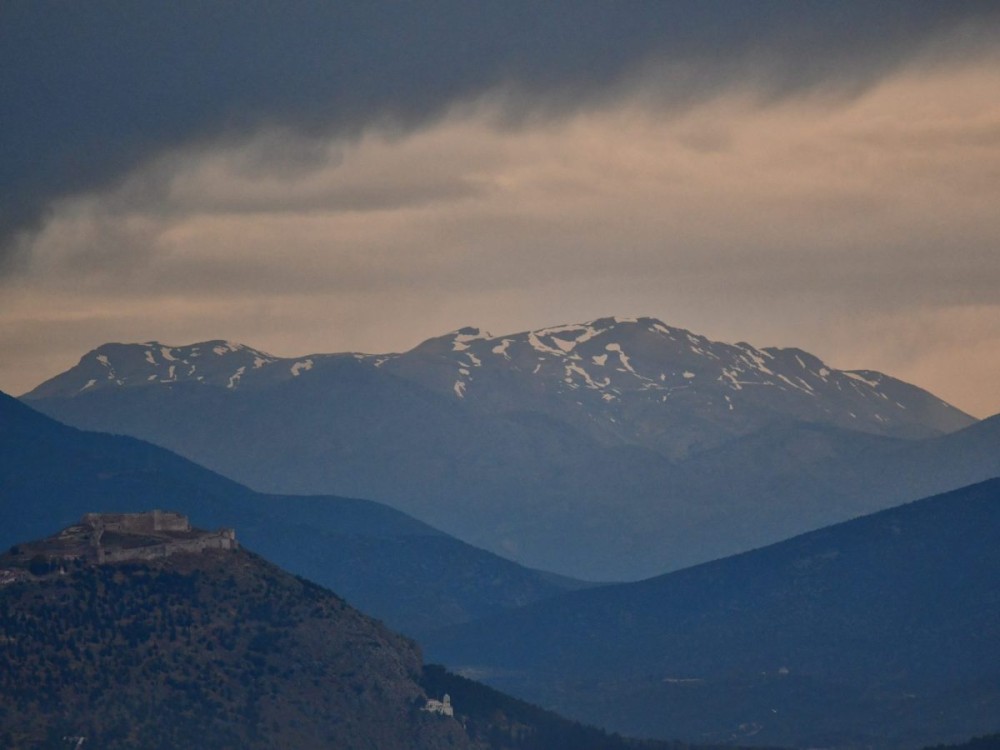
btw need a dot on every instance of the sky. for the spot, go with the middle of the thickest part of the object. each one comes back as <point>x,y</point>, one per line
<point>320,177</point>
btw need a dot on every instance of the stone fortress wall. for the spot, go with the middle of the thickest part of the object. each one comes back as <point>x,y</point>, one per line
<point>138,523</point>
<point>162,534</point>
<point>110,538</point>
<point>222,539</point>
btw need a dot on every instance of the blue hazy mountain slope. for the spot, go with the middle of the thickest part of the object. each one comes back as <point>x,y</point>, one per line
<point>391,565</point>
<point>881,631</point>
<point>610,450</point>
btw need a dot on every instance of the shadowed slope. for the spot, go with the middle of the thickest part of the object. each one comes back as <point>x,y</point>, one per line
<point>391,565</point>
<point>882,630</point>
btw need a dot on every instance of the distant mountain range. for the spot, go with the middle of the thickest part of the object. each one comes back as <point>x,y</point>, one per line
<point>881,632</point>
<point>610,450</point>
<point>626,380</point>
<point>394,567</point>
<point>219,649</point>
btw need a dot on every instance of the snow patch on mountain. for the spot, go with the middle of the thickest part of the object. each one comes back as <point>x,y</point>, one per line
<point>539,346</point>
<point>623,358</point>
<point>854,375</point>
<point>464,336</point>
<point>227,347</point>
<point>502,347</point>
<point>235,377</point>
<point>573,368</point>
<point>577,334</point>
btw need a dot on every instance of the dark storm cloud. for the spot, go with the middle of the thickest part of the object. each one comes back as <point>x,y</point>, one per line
<point>90,90</point>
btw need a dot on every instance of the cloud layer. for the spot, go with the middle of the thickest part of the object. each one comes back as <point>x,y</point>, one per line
<point>91,91</point>
<point>354,177</point>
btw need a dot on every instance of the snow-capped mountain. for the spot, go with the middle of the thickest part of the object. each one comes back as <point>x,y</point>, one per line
<point>666,388</point>
<point>215,363</point>
<point>611,449</point>
<point>633,380</point>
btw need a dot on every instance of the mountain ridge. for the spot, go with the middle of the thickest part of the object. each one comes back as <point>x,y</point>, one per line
<point>410,574</point>
<point>882,631</point>
<point>557,356</point>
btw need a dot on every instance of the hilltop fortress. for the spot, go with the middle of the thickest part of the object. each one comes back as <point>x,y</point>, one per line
<point>145,536</point>
<point>118,537</point>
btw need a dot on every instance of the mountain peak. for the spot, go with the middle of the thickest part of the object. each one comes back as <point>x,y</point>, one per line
<point>611,367</point>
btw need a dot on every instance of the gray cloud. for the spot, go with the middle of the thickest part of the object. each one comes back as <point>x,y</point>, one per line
<point>89,91</point>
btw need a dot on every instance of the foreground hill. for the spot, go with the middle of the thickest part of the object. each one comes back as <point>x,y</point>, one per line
<point>214,649</point>
<point>883,631</point>
<point>599,450</point>
<point>187,640</point>
<point>385,562</point>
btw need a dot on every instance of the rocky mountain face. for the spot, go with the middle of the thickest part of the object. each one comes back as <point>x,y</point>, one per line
<point>392,566</point>
<point>880,632</point>
<point>609,450</point>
